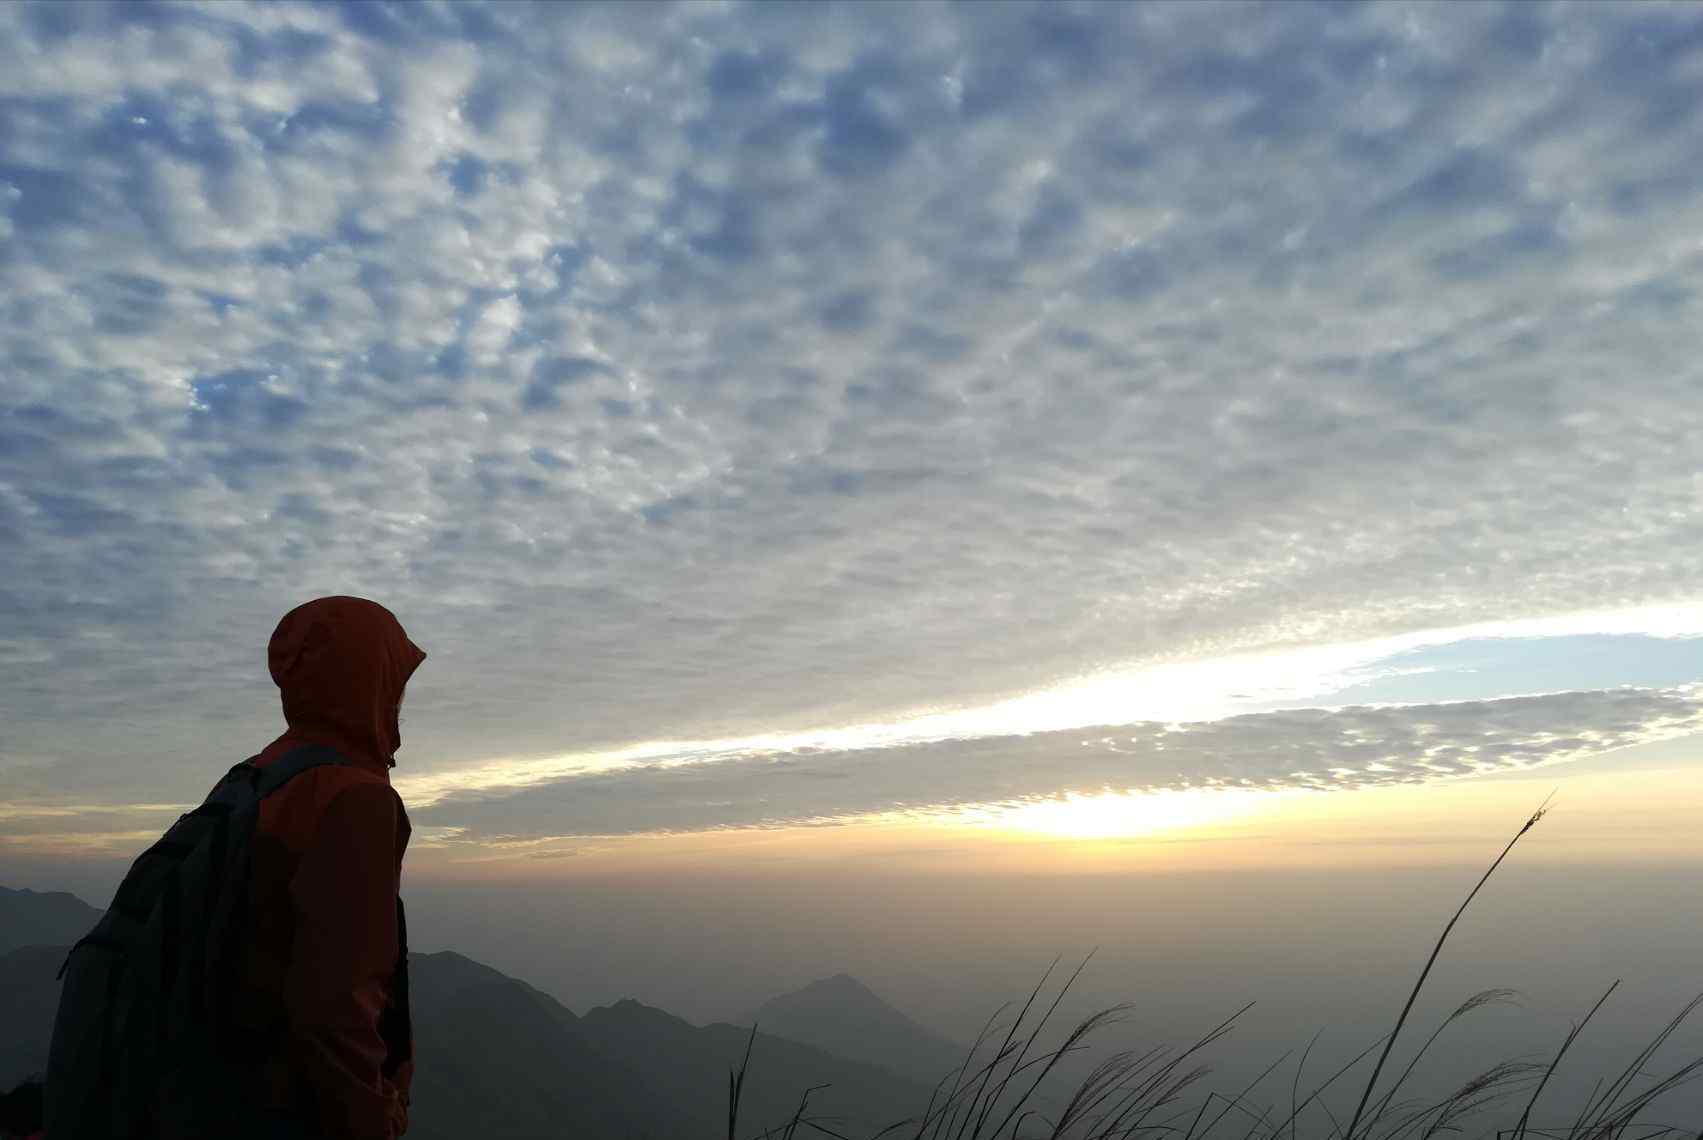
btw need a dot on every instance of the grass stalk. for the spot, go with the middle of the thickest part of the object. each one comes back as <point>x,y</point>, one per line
<point>1377,1070</point>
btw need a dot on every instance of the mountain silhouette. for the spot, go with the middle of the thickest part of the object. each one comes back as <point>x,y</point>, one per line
<point>500,1059</point>
<point>497,1058</point>
<point>42,918</point>
<point>843,1016</point>
<point>858,1096</point>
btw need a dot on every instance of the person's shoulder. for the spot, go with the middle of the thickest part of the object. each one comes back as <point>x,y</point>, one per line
<point>357,789</point>
<point>295,811</point>
<point>367,807</point>
<point>344,775</point>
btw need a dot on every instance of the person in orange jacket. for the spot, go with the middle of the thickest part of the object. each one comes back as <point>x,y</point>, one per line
<point>322,994</point>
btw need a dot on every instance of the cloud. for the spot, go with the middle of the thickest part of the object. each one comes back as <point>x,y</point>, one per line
<point>1300,748</point>
<point>712,369</point>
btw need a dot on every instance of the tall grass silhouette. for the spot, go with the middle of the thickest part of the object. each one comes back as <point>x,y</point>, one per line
<point>1157,1094</point>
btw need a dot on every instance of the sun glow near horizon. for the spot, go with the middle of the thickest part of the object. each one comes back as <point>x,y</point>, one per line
<point>1637,809</point>
<point>1197,690</point>
<point>1131,814</point>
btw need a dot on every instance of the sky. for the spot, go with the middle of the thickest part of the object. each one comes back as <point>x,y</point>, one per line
<point>1081,438</point>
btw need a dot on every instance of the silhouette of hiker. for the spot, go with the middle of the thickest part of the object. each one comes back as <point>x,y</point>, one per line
<point>251,973</point>
<point>251,976</point>
<point>318,993</point>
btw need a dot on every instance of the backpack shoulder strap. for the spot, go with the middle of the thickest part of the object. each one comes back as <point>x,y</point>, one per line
<point>287,767</point>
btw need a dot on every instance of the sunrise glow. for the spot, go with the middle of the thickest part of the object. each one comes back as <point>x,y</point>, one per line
<point>1130,815</point>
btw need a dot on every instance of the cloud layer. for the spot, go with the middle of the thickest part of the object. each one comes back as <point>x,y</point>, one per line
<point>1302,748</point>
<point>714,368</point>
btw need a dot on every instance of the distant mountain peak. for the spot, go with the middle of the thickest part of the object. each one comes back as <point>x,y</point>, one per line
<point>842,1015</point>
<point>61,897</point>
<point>633,1007</point>
<point>42,918</point>
<point>635,1012</point>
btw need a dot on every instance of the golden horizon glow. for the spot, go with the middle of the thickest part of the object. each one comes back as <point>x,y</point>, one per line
<point>1641,812</point>
<point>1131,814</point>
<point>1203,689</point>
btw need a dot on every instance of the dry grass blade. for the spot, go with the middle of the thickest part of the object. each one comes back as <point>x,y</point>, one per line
<point>1406,1009</point>
<point>1495,1083</point>
<point>1109,1081</point>
<point>1072,1043</point>
<point>1253,1129</point>
<point>1498,1082</point>
<point>1295,1085</point>
<point>1334,1077</point>
<point>791,1129</point>
<point>1076,1035</point>
<point>1623,1118</point>
<point>958,1075</point>
<point>1235,1103</point>
<point>1602,1107</point>
<point>1573,1035</point>
<point>891,1128</point>
<point>949,1110</point>
<point>736,1086</point>
<point>1138,1087</point>
<point>1476,1001</point>
<point>1152,1098</point>
<point>1153,1093</point>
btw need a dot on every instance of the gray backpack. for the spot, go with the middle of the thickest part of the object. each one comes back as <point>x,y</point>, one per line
<point>142,1045</point>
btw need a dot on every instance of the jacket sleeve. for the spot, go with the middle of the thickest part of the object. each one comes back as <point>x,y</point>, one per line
<point>341,963</point>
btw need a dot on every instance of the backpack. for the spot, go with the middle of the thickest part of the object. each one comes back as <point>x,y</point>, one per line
<point>142,1042</point>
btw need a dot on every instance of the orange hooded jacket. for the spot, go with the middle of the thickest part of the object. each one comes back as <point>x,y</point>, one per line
<point>316,996</point>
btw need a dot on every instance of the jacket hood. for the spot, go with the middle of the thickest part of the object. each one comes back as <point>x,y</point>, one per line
<point>341,665</point>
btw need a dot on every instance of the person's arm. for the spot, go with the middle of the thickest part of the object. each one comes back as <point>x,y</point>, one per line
<point>341,962</point>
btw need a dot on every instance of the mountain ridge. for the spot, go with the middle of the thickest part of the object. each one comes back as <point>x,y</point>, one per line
<point>839,1014</point>
<point>42,918</point>
<point>502,1059</point>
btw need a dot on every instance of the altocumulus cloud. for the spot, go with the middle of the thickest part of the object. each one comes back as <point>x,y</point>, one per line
<point>700,369</point>
<point>1304,748</point>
